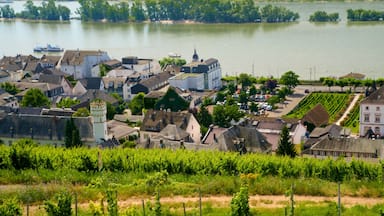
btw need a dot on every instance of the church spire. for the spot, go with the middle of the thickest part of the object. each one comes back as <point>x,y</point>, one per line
<point>195,57</point>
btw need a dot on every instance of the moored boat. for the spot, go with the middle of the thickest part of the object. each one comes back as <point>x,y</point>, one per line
<point>48,48</point>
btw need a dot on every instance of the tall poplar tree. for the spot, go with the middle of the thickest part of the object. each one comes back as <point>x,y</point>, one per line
<point>286,147</point>
<point>72,135</point>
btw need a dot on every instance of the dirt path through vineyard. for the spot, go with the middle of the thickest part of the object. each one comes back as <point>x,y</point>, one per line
<point>256,201</point>
<point>265,201</point>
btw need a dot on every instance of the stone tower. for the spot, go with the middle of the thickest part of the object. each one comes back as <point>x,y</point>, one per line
<point>99,116</point>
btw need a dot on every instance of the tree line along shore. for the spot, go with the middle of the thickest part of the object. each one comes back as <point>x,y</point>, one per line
<point>212,11</point>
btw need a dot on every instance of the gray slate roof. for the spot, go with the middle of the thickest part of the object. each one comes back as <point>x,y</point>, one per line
<point>53,79</point>
<point>91,82</point>
<point>253,139</point>
<point>376,97</point>
<point>42,127</point>
<point>352,145</point>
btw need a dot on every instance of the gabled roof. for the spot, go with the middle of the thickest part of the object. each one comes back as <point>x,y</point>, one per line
<point>353,76</point>
<point>376,97</point>
<point>253,140</point>
<point>333,130</point>
<point>157,120</point>
<point>155,94</point>
<point>317,116</point>
<point>91,95</point>
<point>154,80</point>
<point>172,132</point>
<point>91,83</point>
<point>76,57</point>
<point>54,79</point>
<point>274,124</point>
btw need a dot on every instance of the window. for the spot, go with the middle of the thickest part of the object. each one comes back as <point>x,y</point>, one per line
<point>366,117</point>
<point>377,130</point>
<point>367,108</point>
<point>377,118</point>
<point>377,108</point>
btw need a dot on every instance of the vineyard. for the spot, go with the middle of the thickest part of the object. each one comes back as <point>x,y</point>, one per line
<point>352,120</point>
<point>33,174</point>
<point>21,157</point>
<point>334,103</point>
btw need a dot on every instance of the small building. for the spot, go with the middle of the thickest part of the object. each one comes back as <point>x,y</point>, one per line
<point>243,139</point>
<point>90,83</point>
<point>156,120</point>
<point>271,129</point>
<point>57,80</point>
<point>153,83</point>
<point>79,63</point>
<point>347,147</point>
<point>317,116</point>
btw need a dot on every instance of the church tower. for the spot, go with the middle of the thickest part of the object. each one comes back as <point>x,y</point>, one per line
<point>99,116</point>
<point>195,57</point>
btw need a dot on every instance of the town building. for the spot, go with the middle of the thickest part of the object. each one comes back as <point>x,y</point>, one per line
<point>79,63</point>
<point>271,129</point>
<point>155,82</point>
<point>155,121</point>
<point>199,75</point>
<point>372,114</point>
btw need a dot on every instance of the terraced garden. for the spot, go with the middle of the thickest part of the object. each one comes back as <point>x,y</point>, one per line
<point>334,103</point>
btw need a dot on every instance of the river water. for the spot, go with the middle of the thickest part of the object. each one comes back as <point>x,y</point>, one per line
<point>311,50</point>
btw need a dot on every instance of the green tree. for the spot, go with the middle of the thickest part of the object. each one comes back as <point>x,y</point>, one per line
<point>224,114</point>
<point>243,97</point>
<point>220,96</point>
<point>49,11</point>
<point>240,202</point>
<point>137,104</point>
<point>254,107</point>
<point>137,11</point>
<point>245,80</point>
<point>342,83</point>
<point>10,207</point>
<point>67,102</point>
<point>35,98</point>
<point>111,111</point>
<point>219,117</point>
<point>64,12</point>
<point>252,90</point>
<point>9,87</point>
<point>63,206</point>
<point>7,12</point>
<point>328,81</point>
<point>286,147</point>
<point>81,112</point>
<point>290,79</point>
<point>72,135</point>
<point>204,117</point>
<point>171,61</point>
<point>173,101</point>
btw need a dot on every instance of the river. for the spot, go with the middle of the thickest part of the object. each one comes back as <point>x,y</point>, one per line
<point>310,50</point>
